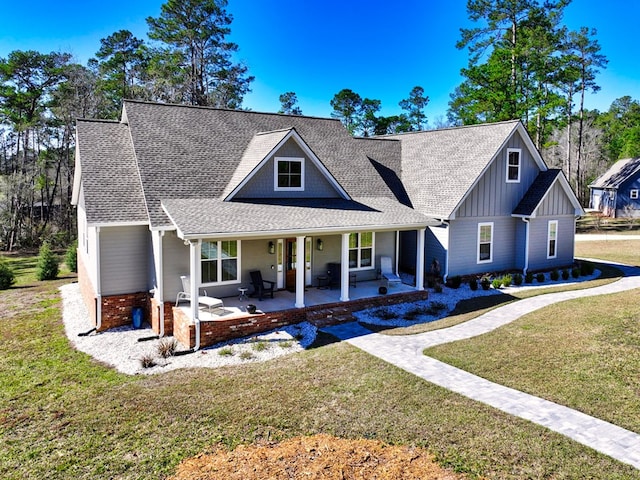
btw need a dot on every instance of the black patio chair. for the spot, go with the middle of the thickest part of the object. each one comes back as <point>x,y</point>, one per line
<point>261,287</point>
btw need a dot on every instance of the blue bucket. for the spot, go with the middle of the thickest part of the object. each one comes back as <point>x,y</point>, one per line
<point>136,314</point>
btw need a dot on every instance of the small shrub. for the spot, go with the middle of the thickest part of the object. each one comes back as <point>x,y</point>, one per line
<point>528,278</point>
<point>575,272</point>
<point>167,347</point>
<point>7,276</point>
<point>586,269</point>
<point>225,352</point>
<point>431,282</point>
<point>473,284</point>
<point>565,274</point>
<point>147,360</point>
<point>507,280</point>
<point>517,279</point>
<point>437,288</point>
<point>497,283</point>
<point>286,344</point>
<point>554,275</point>
<point>454,282</point>
<point>384,314</point>
<point>47,266</point>
<point>246,355</point>
<point>71,257</point>
<point>437,306</point>
<point>260,346</point>
<point>540,277</point>
<point>485,283</point>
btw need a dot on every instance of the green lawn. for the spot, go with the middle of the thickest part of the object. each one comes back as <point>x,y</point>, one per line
<point>63,415</point>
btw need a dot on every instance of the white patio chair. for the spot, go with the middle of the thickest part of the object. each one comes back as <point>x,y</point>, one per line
<point>210,302</point>
<point>386,270</point>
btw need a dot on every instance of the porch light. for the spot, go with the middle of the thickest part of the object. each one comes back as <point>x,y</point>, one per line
<point>272,248</point>
<point>320,244</point>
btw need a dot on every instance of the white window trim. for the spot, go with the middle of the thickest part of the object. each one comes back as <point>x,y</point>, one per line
<point>490,259</point>
<point>359,248</point>
<point>238,257</point>
<point>555,250</point>
<point>276,161</point>
<point>519,151</point>
<point>633,194</point>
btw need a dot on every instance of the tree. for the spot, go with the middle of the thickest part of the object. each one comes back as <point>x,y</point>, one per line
<point>47,265</point>
<point>414,106</point>
<point>355,113</point>
<point>392,124</point>
<point>195,32</point>
<point>289,104</point>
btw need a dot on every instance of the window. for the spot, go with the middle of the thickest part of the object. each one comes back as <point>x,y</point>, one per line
<point>289,174</point>
<point>485,242</point>
<point>513,165</point>
<point>220,261</point>
<point>361,246</point>
<point>552,236</point>
<point>633,194</point>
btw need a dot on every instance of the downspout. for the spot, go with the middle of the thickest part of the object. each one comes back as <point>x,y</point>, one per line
<point>446,252</point>
<point>397,249</point>
<point>161,283</point>
<point>98,283</point>
<point>526,244</point>
<point>194,249</point>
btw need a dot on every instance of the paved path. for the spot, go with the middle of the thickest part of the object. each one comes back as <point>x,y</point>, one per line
<point>585,237</point>
<point>406,352</point>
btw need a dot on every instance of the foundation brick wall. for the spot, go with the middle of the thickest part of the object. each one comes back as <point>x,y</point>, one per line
<point>215,331</point>
<point>116,309</point>
<point>154,307</point>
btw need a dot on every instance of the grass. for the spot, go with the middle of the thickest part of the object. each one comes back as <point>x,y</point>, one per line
<point>584,354</point>
<point>63,415</point>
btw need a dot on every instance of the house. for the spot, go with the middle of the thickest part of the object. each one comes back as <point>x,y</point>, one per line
<point>173,190</point>
<point>615,193</point>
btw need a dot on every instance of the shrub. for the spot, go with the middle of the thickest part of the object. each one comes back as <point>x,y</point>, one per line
<point>565,274</point>
<point>485,283</point>
<point>7,277</point>
<point>71,257</point>
<point>47,266</point>
<point>437,288</point>
<point>473,284</point>
<point>260,346</point>
<point>506,280</point>
<point>586,269</point>
<point>225,352</point>
<point>245,355</point>
<point>454,282</point>
<point>554,275</point>
<point>167,347</point>
<point>384,314</point>
<point>497,283</point>
<point>528,277</point>
<point>517,279</point>
<point>147,360</point>
<point>437,306</point>
<point>540,277</point>
<point>575,272</point>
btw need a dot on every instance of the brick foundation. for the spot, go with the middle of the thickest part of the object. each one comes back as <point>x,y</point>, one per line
<point>215,331</point>
<point>154,306</point>
<point>116,309</point>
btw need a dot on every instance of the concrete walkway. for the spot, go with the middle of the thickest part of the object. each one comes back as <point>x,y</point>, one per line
<point>406,352</point>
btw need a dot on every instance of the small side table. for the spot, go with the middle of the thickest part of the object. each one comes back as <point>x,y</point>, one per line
<point>243,294</point>
<point>323,282</point>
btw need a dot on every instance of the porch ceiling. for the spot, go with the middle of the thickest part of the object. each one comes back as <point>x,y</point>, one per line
<point>196,218</point>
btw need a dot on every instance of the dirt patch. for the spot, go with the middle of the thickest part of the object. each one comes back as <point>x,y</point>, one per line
<point>314,458</point>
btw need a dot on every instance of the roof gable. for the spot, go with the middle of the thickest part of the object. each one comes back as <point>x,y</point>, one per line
<point>618,173</point>
<point>540,190</point>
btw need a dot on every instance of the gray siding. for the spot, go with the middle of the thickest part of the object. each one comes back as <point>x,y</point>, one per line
<point>538,242</point>
<point>436,244</point>
<point>492,196</point>
<point>463,251</point>
<point>555,203</point>
<point>124,259</point>
<point>520,244</point>
<point>261,184</point>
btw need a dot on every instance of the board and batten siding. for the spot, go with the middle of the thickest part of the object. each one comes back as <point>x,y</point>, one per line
<point>555,203</point>
<point>492,195</point>
<point>261,185</point>
<point>538,238</point>
<point>463,247</point>
<point>124,259</point>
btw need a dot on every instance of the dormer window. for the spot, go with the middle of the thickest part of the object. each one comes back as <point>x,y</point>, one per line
<point>513,165</point>
<point>288,174</point>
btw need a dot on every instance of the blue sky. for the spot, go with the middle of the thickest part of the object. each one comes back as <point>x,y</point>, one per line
<point>377,48</point>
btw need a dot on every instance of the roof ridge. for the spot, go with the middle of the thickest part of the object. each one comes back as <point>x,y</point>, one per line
<point>456,127</point>
<point>98,120</point>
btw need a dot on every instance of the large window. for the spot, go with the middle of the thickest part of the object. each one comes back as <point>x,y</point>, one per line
<point>552,237</point>
<point>289,174</point>
<point>220,261</point>
<point>361,250</point>
<point>485,242</point>
<point>513,165</point>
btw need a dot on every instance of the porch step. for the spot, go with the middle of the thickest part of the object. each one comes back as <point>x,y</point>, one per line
<point>329,316</point>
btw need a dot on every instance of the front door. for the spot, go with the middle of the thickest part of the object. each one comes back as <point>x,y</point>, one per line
<point>290,264</point>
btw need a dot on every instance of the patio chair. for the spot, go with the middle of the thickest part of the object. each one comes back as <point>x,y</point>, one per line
<point>210,302</point>
<point>387,271</point>
<point>261,286</point>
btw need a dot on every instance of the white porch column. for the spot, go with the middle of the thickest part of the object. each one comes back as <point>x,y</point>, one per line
<point>300,272</point>
<point>420,260</point>
<point>344,274</point>
<point>194,269</point>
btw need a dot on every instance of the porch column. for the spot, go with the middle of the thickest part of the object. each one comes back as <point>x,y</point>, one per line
<point>300,272</point>
<point>194,272</point>
<point>344,274</point>
<point>420,260</point>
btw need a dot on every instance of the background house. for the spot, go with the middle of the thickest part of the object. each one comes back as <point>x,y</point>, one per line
<point>616,192</point>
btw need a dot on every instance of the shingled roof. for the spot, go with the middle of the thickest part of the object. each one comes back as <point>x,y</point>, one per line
<point>105,153</point>
<point>619,172</point>
<point>439,167</point>
<point>536,193</point>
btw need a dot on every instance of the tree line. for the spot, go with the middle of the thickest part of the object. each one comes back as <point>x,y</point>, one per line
<point>523,64</point>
